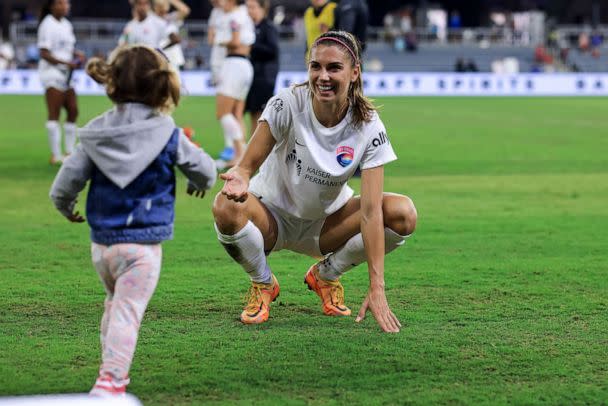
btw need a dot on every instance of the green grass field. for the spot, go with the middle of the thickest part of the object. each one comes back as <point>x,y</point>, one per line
<point>503,290</point>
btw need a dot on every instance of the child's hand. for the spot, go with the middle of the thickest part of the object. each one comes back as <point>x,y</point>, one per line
<point>193,191</point>
<point>76,218</point>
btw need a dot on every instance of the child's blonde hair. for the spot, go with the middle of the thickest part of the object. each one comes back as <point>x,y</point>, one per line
<point>137,74</point>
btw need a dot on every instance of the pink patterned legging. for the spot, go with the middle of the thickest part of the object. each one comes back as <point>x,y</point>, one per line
<point>129,273</point>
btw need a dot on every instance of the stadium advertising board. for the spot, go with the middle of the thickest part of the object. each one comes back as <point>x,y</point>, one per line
<point>198,83</point>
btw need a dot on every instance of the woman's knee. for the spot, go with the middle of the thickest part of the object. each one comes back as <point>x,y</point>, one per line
<point>399,213</point>
<point>228,214</point>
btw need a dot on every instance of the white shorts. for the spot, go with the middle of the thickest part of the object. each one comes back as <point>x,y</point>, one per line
<point>55,78</point>
<point>296,234</point>
<point>215,74</point>
<point>236,77</point>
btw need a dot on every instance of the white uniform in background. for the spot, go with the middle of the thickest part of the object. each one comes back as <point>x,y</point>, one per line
<point>175,54</point>
<point>57,36</point>
<point>236,68</point>
<point>303,180</point>
<point>152,31</point>
<point>218,53</point>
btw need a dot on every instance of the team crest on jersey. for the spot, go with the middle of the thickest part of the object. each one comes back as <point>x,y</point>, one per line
<point>345,155</point>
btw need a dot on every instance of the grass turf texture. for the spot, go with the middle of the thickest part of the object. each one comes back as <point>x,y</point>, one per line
<point>503,291</point>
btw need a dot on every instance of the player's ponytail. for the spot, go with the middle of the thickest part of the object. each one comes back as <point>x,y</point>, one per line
<point>363,107</point>
<point>137,74</point>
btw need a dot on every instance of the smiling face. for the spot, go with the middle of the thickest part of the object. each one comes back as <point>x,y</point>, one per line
<point>331,73</point>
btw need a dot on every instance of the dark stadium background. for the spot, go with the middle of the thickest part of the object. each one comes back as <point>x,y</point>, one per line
<point>473,12</point>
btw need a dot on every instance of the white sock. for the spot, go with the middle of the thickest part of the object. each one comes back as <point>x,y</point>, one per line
<point>232,129</point>
<point>247,248</point>
<point>54,133</point>
<point>69,132</point>
<point>352,254</point>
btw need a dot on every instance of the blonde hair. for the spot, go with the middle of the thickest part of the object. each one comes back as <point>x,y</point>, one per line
<point>137,74</point>
<point>362,107</point>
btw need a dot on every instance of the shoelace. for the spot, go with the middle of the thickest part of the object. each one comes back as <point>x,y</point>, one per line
<point>336,291</point>
<point>253,297</point>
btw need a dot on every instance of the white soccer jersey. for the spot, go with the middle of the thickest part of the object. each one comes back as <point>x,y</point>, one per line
<point>218,53</point>
<point>58,37</point>
<point>236,20</point>
<point>152,31</point>
<point>306,173</point>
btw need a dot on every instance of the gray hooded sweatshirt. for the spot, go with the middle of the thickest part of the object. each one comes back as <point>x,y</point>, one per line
<point>122,143</point>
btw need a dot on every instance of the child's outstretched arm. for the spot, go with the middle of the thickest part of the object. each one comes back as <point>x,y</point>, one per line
<point>71,179</point>
<point>197,165</point>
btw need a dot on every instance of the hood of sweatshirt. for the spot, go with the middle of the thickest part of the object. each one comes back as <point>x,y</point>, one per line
<point>125,140</point>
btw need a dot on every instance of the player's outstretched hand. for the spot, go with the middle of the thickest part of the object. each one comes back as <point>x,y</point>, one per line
<point>193,191</point>
<point>235,186</point>
<point>377,303</point>
<point>76,217</point>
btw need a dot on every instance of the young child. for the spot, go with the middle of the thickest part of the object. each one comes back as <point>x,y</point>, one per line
<point>128,155</point>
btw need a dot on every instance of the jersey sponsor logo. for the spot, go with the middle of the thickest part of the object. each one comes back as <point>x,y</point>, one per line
<point>345,155</point>
<point>320,177</point>
<point>381,139</point>
<point>277,105</point>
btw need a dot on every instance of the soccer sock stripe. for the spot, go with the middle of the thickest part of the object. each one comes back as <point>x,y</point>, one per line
<point>352,254</point>
<point>246,247</point>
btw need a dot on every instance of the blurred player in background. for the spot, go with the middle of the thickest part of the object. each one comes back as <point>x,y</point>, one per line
<point>146,28</point>
<point>309,141</point>
<point>175,19</point>
<point>318,19</point>
<point>352,16</point>
<point>216,59</point>
<point>264,58</point>
<point>128,155</point>
<point>58,59</point>
<point>236,33</point>
<point>218,53</point>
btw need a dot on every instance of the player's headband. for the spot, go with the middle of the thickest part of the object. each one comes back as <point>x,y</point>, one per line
<point>339,41</point>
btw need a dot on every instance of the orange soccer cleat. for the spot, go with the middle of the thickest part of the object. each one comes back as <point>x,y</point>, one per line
<point>259,297</point>
<point>330,292</point>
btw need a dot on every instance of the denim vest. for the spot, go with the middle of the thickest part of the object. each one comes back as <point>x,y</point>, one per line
<point>143,211</point>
